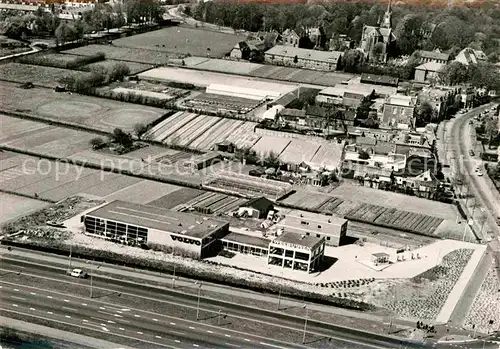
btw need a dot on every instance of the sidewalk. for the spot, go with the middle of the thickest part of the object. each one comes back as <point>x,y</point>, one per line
<point>50,332</point>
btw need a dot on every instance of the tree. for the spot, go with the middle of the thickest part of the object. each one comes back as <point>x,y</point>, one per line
<point>271,160</point>
<point>452,32</point>
<point>118,72</point>
<point>363,154</point>
<point>140,130</point>
<point>97,142</point>
<point>454,73</point>
<point>409,33</point>
<point>122,138</point>
<point>352,61</point>
<point>64,33</point>
<point>484,75</point>
<point>295,59</point>
<point>305,42</point>
<point>377,52</point>
<point>425,113</point>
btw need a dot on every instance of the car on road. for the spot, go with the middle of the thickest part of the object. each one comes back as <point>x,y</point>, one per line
<point>478,172</point>
<point>471,152</point>
<point>498,222</point>
<point>77,273</point>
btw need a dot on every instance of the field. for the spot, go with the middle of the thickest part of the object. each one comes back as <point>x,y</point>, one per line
<point>177,198</point>
<point>124,54</point>
<point>108,63</point>
<point>143,192</point>
<point>204,78</point>
<point>12,206</point>
<point>196,42</point>
<point>215,102</point>
<point>222,65</point>
<point>202,131</point>
<point>90,111</point>
<point>36,74</point>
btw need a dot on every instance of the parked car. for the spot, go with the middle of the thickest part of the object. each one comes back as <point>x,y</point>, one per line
<point>55,224</point>
<point>471,152</point>
<point>77,273</point>
<point>478,172</point>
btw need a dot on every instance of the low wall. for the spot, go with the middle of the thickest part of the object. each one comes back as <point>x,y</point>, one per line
<point>274,133</point>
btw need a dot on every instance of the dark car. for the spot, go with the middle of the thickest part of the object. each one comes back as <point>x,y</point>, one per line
<point>471,152</point>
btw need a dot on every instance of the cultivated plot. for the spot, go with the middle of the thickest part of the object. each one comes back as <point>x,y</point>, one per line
<point>13,206</point>
<point>109,63</point>
<point>225,66</point>
<point>196,42</point>
<point>268,144</point>
<point>123,54</point>
<point>178,197</point>
<point>36,74</point>
<point>142,192</point>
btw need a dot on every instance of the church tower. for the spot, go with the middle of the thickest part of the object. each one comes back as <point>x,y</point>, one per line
<point>387,21</point>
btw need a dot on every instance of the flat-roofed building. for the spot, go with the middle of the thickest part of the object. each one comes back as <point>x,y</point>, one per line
<point>296,251</point>
<point>247,244</point>
<point>134,224</point>
<point>332,228</point>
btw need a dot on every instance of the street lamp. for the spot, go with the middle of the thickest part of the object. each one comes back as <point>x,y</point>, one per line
<point>199,295</point>
<point>70,252</point>
<point>91,276</point>
<point>305,323</point>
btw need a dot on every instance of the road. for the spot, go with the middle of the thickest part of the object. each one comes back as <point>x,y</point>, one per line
<point>74,308</point>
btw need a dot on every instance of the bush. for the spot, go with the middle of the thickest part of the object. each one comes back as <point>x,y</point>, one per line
<point>97,142</point>
<point>118,72</point>
<point>52,61</point>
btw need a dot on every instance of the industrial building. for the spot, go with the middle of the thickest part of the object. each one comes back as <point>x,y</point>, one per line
<point>332,228</point>
<point>246,244</point>
<point>135,224</point>
<point>256,208</point>
<point>298,252</point>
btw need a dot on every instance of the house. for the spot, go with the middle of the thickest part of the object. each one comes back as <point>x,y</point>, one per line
<point>441,98</point>
<point>290,38</point>
<point>378,41</point>
<point>428,72</point>
<point>247,50</point>
<point>317,36</point>
<point>296,117</point>
<point>399,111</point>
<point>345,95</point>
<point>373,177</point>
<point>303,58</point>
<point>470,56</point>
<point>225,146</point>
<point>382,80</point>
<point>433,57</point>
<point>270,39</point>
<point>420,161</point>
<point>255,208</point>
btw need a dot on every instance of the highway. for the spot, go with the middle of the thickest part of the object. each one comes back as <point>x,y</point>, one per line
<point>111,314</point>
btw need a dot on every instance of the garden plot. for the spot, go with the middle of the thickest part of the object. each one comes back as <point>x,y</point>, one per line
<point>244,137</point>
<point>225,66</point>
<point>217,133</point>
<point>124,54</point>
<point>36,74</point>
<point>178,197</point>
<point>306,199</point>
<point>175,125</point>
<point>95,112</point>
<point>170,159</point>
<point>143,192</point>
<point>270,144</point>
<point>423,296</point>
<point>298,151</point>
<point>155,131</point>
<point>134,67</point>
<point>183,40</point>
<point>396,200</point>
<point>328,156</point>
<point>330,205</point>
<point>13,206</point>
<point>204,78</point>
<point>196,128</point>
<point>111,182</point>
<point>13,128</point>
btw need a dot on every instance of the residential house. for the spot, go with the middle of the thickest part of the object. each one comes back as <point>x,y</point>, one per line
<point>344,95</point>
<point>428,72</point>
<point>399,111</point>
<point>380,157</point>
<point>290,38</point>
<point>295,117</point>
<point>424,185</point>
<point>373,177</point>
<point>374,38</point>
<point>470,56</point>
<point>378,134</point>
<point>270,39</point>
<point>441,98</point>
<point>303,58</point>
<point>434,57</point>
<point>247,50</point>
<point>340,43</point>
<point>317,36</point>
<point>380,90</point>
<point>418,161</point>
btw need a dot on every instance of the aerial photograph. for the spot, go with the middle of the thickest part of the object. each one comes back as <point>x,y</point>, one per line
<point>254,174</point>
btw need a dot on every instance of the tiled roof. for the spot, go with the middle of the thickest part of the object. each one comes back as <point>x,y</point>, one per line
<point>434,55</point>
<point>302,53</point>
<point>431,66</point>
<point>379,79</point>
<point>293,112</point>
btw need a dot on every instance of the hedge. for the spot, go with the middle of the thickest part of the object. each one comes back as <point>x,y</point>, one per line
<point>50,61</point>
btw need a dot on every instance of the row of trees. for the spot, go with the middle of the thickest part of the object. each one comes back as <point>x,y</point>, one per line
<point>98,76</point>
<point>416,27</point>
<point>481,75</point>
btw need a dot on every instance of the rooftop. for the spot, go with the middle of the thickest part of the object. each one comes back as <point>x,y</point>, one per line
<point>158,218</point>
<point>317,217</point>
<point>434,55</point>
<point>212,155</point>
<point>379,80</point>
<point>247,240</point>
<point>341,90</point>
<point>401,100</point>
<point>431,66</point>
<point>302,240</point>
<point>302,53</point>
<point>260,204</point>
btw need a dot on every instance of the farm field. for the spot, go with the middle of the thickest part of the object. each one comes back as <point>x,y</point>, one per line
<point>108,63</point>
<point>223,66</point>
<point>306,199</point>
<point>13,206</point>
<point>395,200</point>
<point>177,197</point>
<point>143,192</point>
<point>196,42</point>
<point>46,76</point>
<point>204,78</point>
<point>202,131</point>
<point>90,111</point>
<point>123,54</point>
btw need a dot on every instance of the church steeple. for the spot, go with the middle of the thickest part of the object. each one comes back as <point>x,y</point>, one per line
<point>387,21</point>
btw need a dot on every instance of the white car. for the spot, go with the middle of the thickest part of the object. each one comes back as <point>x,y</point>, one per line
<point>77,273</point>
<point>478,172</point>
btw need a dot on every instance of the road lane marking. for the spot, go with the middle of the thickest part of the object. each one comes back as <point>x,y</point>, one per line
<point>191,327</point>
<point>158,337</point>
<point>72,309</point>
<point>248,340</point>
<point>21,298</point>
<point>49,312</point>
<point>69,317</point>
<point>121,329</point>
<point>33,309</point>
<point>210,331</point>
<point>195,345</point>
<point>16,290</point>
<point>33,293</point>
<point>49,297</point>
<point>125,309</point>
<point>15,305</point>
<point>116,315</point>
<point>111,322</point>
<point>102,308</point>
<point>155,319</point>
<point>172,323</point>
<point>84,304</point>
<point>66,300</point>
<point>233,345</point>
<point>105,329</point>
<point>85,320</point>
<point>228,335</point>
<point>139,332</point>
<point>177,341</point>
<point>137,315</point>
